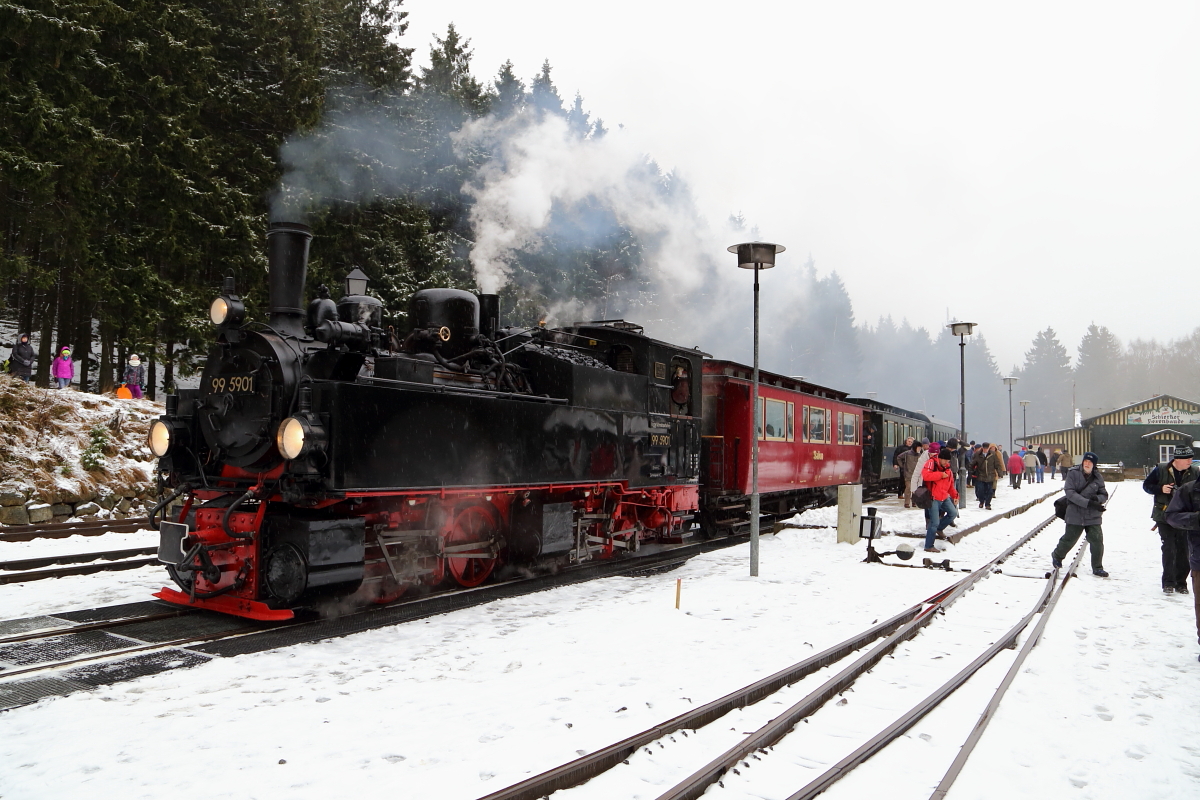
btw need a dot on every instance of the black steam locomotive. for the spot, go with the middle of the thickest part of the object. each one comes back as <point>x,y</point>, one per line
<point>321,455</point>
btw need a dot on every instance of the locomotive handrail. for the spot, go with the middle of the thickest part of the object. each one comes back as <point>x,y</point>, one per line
<point>435,388</point>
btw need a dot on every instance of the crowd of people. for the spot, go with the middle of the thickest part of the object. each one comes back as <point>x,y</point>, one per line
<point>946,469</point>
<point>22,360</point>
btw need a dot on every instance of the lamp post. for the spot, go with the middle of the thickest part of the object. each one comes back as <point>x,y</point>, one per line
<point>755,256</point>
<point>962,330</point>
<point>1009,382</point>
<point>1024,435</point>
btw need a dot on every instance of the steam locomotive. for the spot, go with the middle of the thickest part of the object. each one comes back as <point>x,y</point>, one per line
<point>323,457</point>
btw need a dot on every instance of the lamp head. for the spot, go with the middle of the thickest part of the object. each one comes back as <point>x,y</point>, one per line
<point>962,328</point>
<point>756,254</point>
<point>356,282</point>
<point>1011,380</point>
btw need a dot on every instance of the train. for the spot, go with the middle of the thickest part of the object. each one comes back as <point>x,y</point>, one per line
<point>324,458</point>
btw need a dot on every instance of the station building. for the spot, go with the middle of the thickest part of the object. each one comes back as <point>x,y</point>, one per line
<point>1139,435</point>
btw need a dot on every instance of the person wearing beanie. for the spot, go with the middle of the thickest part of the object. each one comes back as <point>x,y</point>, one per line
<point>1086,495</point>
<point>135,376</point>
<point>1162,481</point>
<point>987,468</point>
<point>63,368</point>
<point>939,479</point>
<point>1183,513</point>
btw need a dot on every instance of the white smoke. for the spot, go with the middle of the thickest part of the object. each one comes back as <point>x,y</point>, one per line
<point>539,163</point>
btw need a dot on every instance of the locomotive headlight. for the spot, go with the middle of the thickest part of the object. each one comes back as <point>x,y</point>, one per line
<point>227,310</point>
<point>298,436</point>
<point>160,438</point>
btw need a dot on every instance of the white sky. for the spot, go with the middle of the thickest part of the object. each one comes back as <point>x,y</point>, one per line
<point>1019,165</point>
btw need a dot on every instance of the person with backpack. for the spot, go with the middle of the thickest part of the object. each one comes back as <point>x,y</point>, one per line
<point>1183,513</point>
<point>938,478</point>
<point>1162,481</point>
<point>1086,495</point>
<point>1016,469</point>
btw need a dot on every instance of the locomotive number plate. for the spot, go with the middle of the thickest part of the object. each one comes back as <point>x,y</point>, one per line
<point>235,384</point>
<point>660,440</point>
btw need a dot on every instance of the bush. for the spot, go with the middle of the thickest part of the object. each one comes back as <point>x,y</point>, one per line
<point>92,459</point>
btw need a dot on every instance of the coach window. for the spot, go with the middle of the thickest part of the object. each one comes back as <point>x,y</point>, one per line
<point>775,418</point>
<point>791,422</point>
<point>848,423</point>
<point>816,429</point>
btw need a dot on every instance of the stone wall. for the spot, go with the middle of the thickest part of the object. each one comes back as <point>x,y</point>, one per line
<point>23,506</point>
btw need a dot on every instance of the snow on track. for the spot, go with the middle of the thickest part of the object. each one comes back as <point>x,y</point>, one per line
<point>466,703</point>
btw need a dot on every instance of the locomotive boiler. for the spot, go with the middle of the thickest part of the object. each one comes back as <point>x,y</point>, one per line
<point>322,457</point>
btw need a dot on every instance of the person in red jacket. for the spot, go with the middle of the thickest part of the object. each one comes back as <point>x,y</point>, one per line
<point>939,479</point>
<point>1016,468</point>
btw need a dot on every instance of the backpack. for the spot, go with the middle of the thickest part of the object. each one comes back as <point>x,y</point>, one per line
<point>1060,505</point>
<point>922,497</point>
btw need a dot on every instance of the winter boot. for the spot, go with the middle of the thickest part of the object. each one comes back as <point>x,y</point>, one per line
<point>1100,573</point>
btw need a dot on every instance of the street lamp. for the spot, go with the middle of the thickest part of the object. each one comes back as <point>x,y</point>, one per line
<point>962,330</point>
<point>1009,382</point>
<point>1024,435</point>
<point>755,256</point>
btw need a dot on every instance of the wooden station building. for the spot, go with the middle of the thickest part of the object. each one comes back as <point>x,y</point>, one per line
<point>1139,435</point>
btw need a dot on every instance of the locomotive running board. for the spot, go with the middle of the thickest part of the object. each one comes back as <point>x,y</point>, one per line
<point>250,609</point>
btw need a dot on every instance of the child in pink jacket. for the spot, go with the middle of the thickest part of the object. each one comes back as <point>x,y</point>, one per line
<point>63,368</point>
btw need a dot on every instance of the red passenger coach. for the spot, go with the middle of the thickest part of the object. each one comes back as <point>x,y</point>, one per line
<point>810,442</point>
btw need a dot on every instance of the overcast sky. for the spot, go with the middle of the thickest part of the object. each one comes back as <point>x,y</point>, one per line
<point>1016,164</point>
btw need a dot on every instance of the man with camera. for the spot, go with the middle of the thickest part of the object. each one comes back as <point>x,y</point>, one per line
<point>1086,495</point>
<point>1162,482</point>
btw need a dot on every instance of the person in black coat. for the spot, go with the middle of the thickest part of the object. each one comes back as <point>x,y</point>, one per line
<point>1183,512</point>
<point>1086,495</point>
<point>21,360</point>
<point>1161,482</point>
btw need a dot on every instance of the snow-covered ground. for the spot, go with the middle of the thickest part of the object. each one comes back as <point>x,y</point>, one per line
<point>1108,706</point>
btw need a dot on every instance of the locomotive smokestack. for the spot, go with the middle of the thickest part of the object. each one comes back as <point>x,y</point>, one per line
<point>489,314</point>
<point>287,266</point>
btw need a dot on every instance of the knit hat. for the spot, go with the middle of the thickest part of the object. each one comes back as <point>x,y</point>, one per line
<point>133,359</point>
<point>934,449</point>
<point>66,351</point>
<point>1090,456</point>
<point>952,444</point>
<point>1182,451</point>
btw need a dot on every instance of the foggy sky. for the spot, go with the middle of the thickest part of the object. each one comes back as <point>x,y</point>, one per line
<point>1017,165</point>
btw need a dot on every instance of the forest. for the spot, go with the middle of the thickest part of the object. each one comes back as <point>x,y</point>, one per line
<point>145,146</point>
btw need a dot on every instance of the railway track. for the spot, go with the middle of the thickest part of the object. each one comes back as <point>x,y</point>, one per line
<point>687,732</point>
<point>34,569</point>
<point>114,643</point>
<point>61,530</point>
<point>60,654</point>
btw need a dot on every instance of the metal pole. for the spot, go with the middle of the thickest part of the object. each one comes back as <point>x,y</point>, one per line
<point>1010,431</point>
<point>754,449</point>
<point>962,417</point>
<point>1024,433</point>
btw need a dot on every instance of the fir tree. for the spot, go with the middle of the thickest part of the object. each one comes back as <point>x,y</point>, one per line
<point>1098,368</point>
<point>1046,381</point>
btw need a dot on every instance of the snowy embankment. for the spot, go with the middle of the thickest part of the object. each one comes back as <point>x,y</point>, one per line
<point>65,454</point>
<point>464,704</point>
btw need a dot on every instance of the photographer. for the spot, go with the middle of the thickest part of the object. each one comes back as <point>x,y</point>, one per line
<point>1161,482</point>
<point>1087,495</point>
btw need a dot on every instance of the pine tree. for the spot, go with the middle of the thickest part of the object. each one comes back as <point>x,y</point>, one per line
<point>1046,381</point>
<point>1097,371</point>
<point>543,96</point>
<point>508,93</point>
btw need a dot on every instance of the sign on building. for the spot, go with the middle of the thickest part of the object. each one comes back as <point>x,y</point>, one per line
<point>1163,415</point>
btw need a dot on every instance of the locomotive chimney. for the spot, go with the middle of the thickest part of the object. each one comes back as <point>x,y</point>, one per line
<point>489,314</point>
<point>287,265</point>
